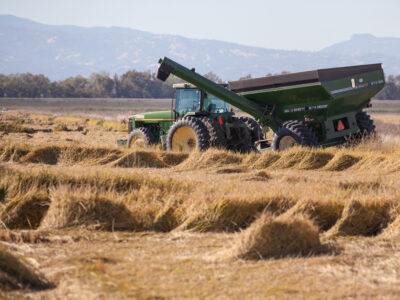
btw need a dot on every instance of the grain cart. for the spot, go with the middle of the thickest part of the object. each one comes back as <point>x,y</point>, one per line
<point>314,108</point>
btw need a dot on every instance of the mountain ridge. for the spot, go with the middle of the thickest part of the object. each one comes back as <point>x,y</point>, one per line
<point>60,51</point>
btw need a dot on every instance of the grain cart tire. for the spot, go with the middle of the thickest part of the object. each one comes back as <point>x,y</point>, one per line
<point>255,129</point>
<point>217,136</point>
<point>188,134</point>
<point>245,144</point>
<point>366,124</point>
<point>293,133</point>
<point>141,138</point>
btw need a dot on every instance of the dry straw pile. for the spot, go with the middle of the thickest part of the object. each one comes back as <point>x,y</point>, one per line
<point>232,214</point>
<point>275,237</point>
<point>140,159</point>
<point>17,273</point>
<point>25,210</point>
<point>71,155</point>
<point>211,158</point>
<point>364,217</point>
<point>324,212</point>
<point>81,207</point>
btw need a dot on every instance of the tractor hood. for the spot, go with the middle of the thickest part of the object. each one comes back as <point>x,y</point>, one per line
<point>154,116</point>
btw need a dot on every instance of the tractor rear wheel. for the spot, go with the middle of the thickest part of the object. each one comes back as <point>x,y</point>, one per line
<point>241,137</point>
<point>255,129</point>
<point>293,133</point>
<point>188,134</point>
<point>365,123</point>
<point>217,136</point>
<point>140,138</point>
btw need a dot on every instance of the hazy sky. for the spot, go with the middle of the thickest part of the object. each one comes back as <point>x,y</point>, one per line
<point>279,24</point>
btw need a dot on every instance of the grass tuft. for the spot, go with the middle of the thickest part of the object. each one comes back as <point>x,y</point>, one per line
<point>323,212</point>
<point>173,158</point>
<point>342,161</point>
<point>233,214</point>
<point>14,127</point>
<point>140,159</point>
<point>276,237</point>
<point>363,217</point>
<point>266,159</point>
<point>210,158</point>
<point>11,152</point>
<point>43,155</point>
<point>71,155</point>
<point>25,211</point>
<point>78,207</point>
<point>166,220</point>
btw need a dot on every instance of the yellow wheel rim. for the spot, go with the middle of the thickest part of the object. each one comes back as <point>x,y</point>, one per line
<point>137,142</point>
<point>184,139</point>
<point>287,142</point>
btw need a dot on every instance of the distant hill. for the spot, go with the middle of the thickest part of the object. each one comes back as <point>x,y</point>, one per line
<point>62,51</point>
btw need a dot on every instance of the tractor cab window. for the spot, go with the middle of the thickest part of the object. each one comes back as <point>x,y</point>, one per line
<point>187,100</point>
<point>214,104</point>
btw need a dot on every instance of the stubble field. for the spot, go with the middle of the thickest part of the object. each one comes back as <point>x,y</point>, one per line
<point>83,219</point>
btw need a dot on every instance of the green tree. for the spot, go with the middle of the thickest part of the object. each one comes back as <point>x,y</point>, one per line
<point>3,82</point>
<point>101,85</point>
<point>73,87</point>
<point>117,87</point>
<point>391,91</point>
<point>213,77</point>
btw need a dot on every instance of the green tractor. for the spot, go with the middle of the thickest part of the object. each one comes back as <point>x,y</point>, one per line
<point>315,108</point>
<point>197,120</point>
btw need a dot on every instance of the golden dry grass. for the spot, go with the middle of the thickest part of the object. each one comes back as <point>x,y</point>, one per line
<point>118,223</point>
<point>25,210</point>
<point>365,217</point>
<point>286,235</point>
<point>72,207</point>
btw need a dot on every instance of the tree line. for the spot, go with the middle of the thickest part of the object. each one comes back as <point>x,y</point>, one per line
<point>132,84</point>
<point>391,91</point>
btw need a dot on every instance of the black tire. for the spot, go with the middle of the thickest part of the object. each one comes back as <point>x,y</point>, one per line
<point>255,129</point>
<point>296,133</point>
<point>243,137</point>
<point>217,135</point>
<point>366,124</point>
<point>200,132</point>
<point>141,134</point>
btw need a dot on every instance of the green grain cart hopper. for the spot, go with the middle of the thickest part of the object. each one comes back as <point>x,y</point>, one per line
<point>314,108</point>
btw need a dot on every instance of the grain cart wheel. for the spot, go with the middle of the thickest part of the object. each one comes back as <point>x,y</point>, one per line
<point>140,138</point>
<point>293,133</point>
<point>188,134</point>
<point>255,129</point>
<point>217,136</point>
<point>366,124</point>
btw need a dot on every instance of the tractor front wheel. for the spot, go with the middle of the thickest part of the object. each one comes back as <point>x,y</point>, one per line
<point>188,134</point>
<point>140,138</point>
<point>293,133</point>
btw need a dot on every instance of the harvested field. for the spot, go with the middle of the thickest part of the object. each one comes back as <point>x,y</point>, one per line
<point>92,220</point>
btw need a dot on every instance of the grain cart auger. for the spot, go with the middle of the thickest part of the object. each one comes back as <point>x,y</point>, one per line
<point>314,108</point>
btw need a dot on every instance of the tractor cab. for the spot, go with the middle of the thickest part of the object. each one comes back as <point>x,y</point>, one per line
<point>190,99</point>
